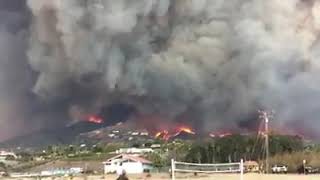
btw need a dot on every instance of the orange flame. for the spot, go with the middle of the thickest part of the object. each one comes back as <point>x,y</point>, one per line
<point>158,134</point>
<point>95,119</point>
<point>186,130</point>
<point>165,135</point>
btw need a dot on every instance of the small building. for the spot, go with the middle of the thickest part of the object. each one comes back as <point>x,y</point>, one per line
<point>135,133</point>
<point>155,146</point>
<point>144,133</point>
<point>134,151</point>
<point>4,155</point>
<point>111,135</point>
<point>115,131</point>
<point>128,163</point>
<point>62,171</point>
<point>39,158</point>
<point>251,166</point>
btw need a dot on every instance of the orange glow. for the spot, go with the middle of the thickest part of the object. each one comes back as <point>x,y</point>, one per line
<point>95,119</point>
<point>186,130</point>
<point>163,135</point>
<point>166,135</point>
<point>158,134</point>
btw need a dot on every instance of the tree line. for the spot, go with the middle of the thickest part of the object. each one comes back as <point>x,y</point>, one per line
<point>226,149</point>
<point>236,147</point>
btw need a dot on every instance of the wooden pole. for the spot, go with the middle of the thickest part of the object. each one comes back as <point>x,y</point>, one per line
<point>241,169</point>
<point>172,169</point>
<point>267,142</point>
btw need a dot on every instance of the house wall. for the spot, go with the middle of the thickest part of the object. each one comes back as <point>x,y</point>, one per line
<point>129,167</point>
<point>147,167</point>
<point>110,168</point>
<point>134,150</point>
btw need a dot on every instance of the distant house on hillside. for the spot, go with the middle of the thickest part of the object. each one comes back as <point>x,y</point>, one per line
<point>130,164</point>
<point>134,151</point>
<point>155,146</point>
<point>4,155</point>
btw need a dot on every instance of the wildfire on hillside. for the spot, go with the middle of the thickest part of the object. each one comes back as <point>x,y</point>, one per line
<point>95,119</point>
<point>166,135</point>
<point>167,129</point>
<point>184,129</point>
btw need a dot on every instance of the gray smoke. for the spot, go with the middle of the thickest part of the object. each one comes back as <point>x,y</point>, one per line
<point>15,79</point>
<point>215,61</point>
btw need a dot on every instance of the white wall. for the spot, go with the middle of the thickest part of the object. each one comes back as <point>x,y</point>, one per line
<point>132,167</point>
<point>110,168</point>
<point>134,150</point>
<point>129,167</point>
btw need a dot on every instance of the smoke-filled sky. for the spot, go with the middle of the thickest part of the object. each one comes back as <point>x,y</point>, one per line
<point>213,63</point>
<point>14,73</point>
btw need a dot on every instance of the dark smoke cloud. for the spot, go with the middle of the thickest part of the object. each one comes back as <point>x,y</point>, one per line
<point>211,62</point>
<point>21,111</point>
<point>15,78</point>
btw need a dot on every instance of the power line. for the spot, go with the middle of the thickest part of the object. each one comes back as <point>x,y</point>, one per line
<point>266,116</point>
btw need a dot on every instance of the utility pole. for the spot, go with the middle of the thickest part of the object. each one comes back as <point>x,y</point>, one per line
<point>267,142</point>
<point>265,116</point>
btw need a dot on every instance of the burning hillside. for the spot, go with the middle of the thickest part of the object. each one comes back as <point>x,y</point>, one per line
<point>206,64</point>
<point>179,132</point>
<point>217,62</point>
<point>94,119</point>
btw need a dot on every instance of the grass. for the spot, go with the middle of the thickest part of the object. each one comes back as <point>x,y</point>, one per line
<point>89,157</point>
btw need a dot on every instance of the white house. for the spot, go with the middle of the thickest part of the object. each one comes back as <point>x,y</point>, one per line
<point>4,155</point>
<point>155,146</point>
<point>130,164</point>
<point>134,151</point>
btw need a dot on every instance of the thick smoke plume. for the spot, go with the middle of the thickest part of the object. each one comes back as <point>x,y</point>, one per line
<point>15,78</point>
<point>210,62</point>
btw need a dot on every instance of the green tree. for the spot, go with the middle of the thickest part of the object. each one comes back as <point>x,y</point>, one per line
<point>211,153</point>
<point>285,144</point>
<point>25,156</point>
<point>3,166</point>
<point>10,158</point>
<point>111,147</point>
<point>148,144</point>
<point>159,160</point>
<point>197,154</point>
<point>50,149</point>
<point>97,149</point>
